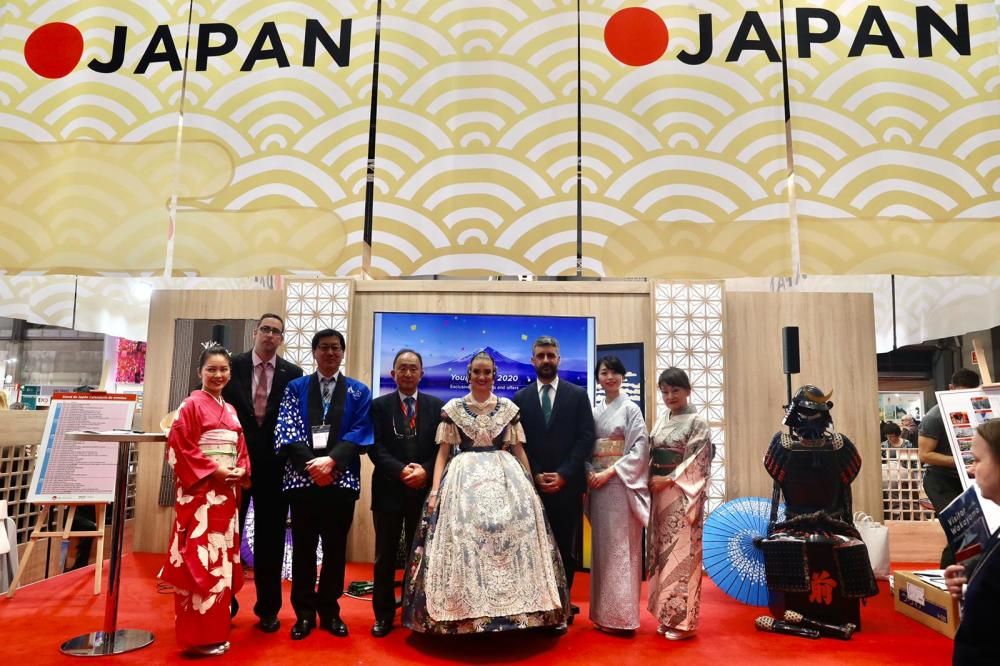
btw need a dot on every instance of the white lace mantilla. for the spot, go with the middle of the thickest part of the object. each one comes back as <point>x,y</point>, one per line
<point>482,422</point>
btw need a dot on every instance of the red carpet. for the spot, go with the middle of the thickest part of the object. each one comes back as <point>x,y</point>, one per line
<point>42,616</point>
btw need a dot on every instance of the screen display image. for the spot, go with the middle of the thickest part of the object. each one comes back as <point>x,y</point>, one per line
<point>447,342</point>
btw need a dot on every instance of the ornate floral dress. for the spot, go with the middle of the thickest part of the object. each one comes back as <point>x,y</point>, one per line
<point>203,563</point>
<point>675,522</point>
<point>618,511</point>
<point>484,558</point>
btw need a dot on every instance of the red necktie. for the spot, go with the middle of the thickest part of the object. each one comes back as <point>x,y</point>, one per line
<point>260,394</point>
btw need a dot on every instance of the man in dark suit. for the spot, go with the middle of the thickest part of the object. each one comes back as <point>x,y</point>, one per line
<point>258,382</point>
<point>405,423</point>
<point>558,422</point>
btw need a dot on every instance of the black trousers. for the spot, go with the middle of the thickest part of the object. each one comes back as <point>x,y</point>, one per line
<point>564,511</point>
<point>270,523</point>
<point>389,525</point>
<point>941,489</point>
<point>316,513</point>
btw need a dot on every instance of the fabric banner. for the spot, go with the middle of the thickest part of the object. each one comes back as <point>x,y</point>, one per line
<point>620,138</point>
<point>87,145</point>
<point>475,161</point>
<point>685,163</point>
<point>283,89</point>
<point>895,140</point>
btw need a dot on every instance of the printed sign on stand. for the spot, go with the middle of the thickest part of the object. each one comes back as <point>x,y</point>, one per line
<point>79,472</point>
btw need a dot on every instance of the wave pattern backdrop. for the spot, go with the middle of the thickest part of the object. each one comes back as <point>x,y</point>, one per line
<point>476,145</point>
<point>684,165</point>
<point>684,162</point>
<point>87,157</point>
<point>290,103</point>
<point>896,158</point>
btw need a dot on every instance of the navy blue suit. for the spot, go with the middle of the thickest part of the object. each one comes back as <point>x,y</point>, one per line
<point>563,445</point>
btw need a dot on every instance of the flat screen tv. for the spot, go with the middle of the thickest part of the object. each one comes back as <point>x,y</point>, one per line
<point>447,342</point>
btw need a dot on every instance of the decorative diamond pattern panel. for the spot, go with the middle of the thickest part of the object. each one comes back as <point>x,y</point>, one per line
<point>313,305</point>
<point>689,337</point>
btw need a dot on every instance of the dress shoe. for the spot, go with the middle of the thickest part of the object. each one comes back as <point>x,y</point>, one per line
<point>269,625</point>
<point>381,628</point>
<point>559,629</point>
<point>301,629</point>
<point>335,626</point>
<point>210,650</point>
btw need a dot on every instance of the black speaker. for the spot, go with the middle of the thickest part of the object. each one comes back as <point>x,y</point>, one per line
<point>220,334</point>
<point>790,349</point>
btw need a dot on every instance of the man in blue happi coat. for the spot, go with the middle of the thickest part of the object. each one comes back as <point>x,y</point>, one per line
<point>323,424</point>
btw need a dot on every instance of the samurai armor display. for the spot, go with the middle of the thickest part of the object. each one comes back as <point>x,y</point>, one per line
<point>785,564</point>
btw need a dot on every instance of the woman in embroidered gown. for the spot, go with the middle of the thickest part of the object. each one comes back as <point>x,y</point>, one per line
<point>484,558</point>
<point>210,461</point>
<point>617,504</point>
<point>679,462</point>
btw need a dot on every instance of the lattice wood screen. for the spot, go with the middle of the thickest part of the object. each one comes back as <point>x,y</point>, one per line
<point>689,335</point>
<point>313,305</point>
<point>903,496</point>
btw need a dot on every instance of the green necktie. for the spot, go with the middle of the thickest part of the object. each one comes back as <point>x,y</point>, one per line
<point>546,402</point>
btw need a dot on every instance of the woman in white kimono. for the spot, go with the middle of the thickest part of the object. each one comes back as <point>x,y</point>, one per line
<point>617,505</point>
<point>680,460</point>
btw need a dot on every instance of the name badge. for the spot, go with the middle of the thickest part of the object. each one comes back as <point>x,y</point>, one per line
<point>320,435</point>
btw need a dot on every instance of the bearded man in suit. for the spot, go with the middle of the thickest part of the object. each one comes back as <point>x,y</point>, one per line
<point>558,423</point>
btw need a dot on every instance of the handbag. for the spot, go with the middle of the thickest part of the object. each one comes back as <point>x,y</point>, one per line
<point>876,538</point>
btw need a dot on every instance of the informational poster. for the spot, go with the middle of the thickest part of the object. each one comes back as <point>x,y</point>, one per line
<point>894,405</point>
<point>79,471</point>
<point>963,411</point>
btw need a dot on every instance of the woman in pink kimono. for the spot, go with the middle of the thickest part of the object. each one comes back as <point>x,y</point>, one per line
<point>680,460</point>
<point>210,461</point>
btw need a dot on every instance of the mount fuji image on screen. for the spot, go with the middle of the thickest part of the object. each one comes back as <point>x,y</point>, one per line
<point>448,342</point>
<point>449,380</point>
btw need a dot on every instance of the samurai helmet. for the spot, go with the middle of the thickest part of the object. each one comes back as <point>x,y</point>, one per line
<point>809,412</point>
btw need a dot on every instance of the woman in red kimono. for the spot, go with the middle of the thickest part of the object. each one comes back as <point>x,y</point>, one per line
<point>210,461</point>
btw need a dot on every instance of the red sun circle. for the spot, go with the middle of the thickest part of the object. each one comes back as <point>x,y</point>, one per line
<point>636,36</point>
<point>53,49</point>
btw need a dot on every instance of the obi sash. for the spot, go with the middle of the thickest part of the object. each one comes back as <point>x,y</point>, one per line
<point>219,446</point>
<point>663,462</point>
<point>607,452</point>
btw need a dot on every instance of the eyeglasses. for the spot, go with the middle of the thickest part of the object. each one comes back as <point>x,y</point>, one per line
<point>408,432</point>
<point>329,348</point>
<point>267,330</point>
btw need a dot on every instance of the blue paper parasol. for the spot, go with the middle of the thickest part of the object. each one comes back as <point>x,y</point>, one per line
<point>732,560</point>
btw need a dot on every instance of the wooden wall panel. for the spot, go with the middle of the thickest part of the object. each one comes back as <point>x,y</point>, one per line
<point>153,521</point>
<point>837,343</point>
<point>622,309</point>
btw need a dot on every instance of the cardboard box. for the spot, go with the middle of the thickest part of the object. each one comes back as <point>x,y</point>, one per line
<point>928,605</point>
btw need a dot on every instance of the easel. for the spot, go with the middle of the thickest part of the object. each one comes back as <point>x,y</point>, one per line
<point>984,368</point>
<point>64,533</point>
